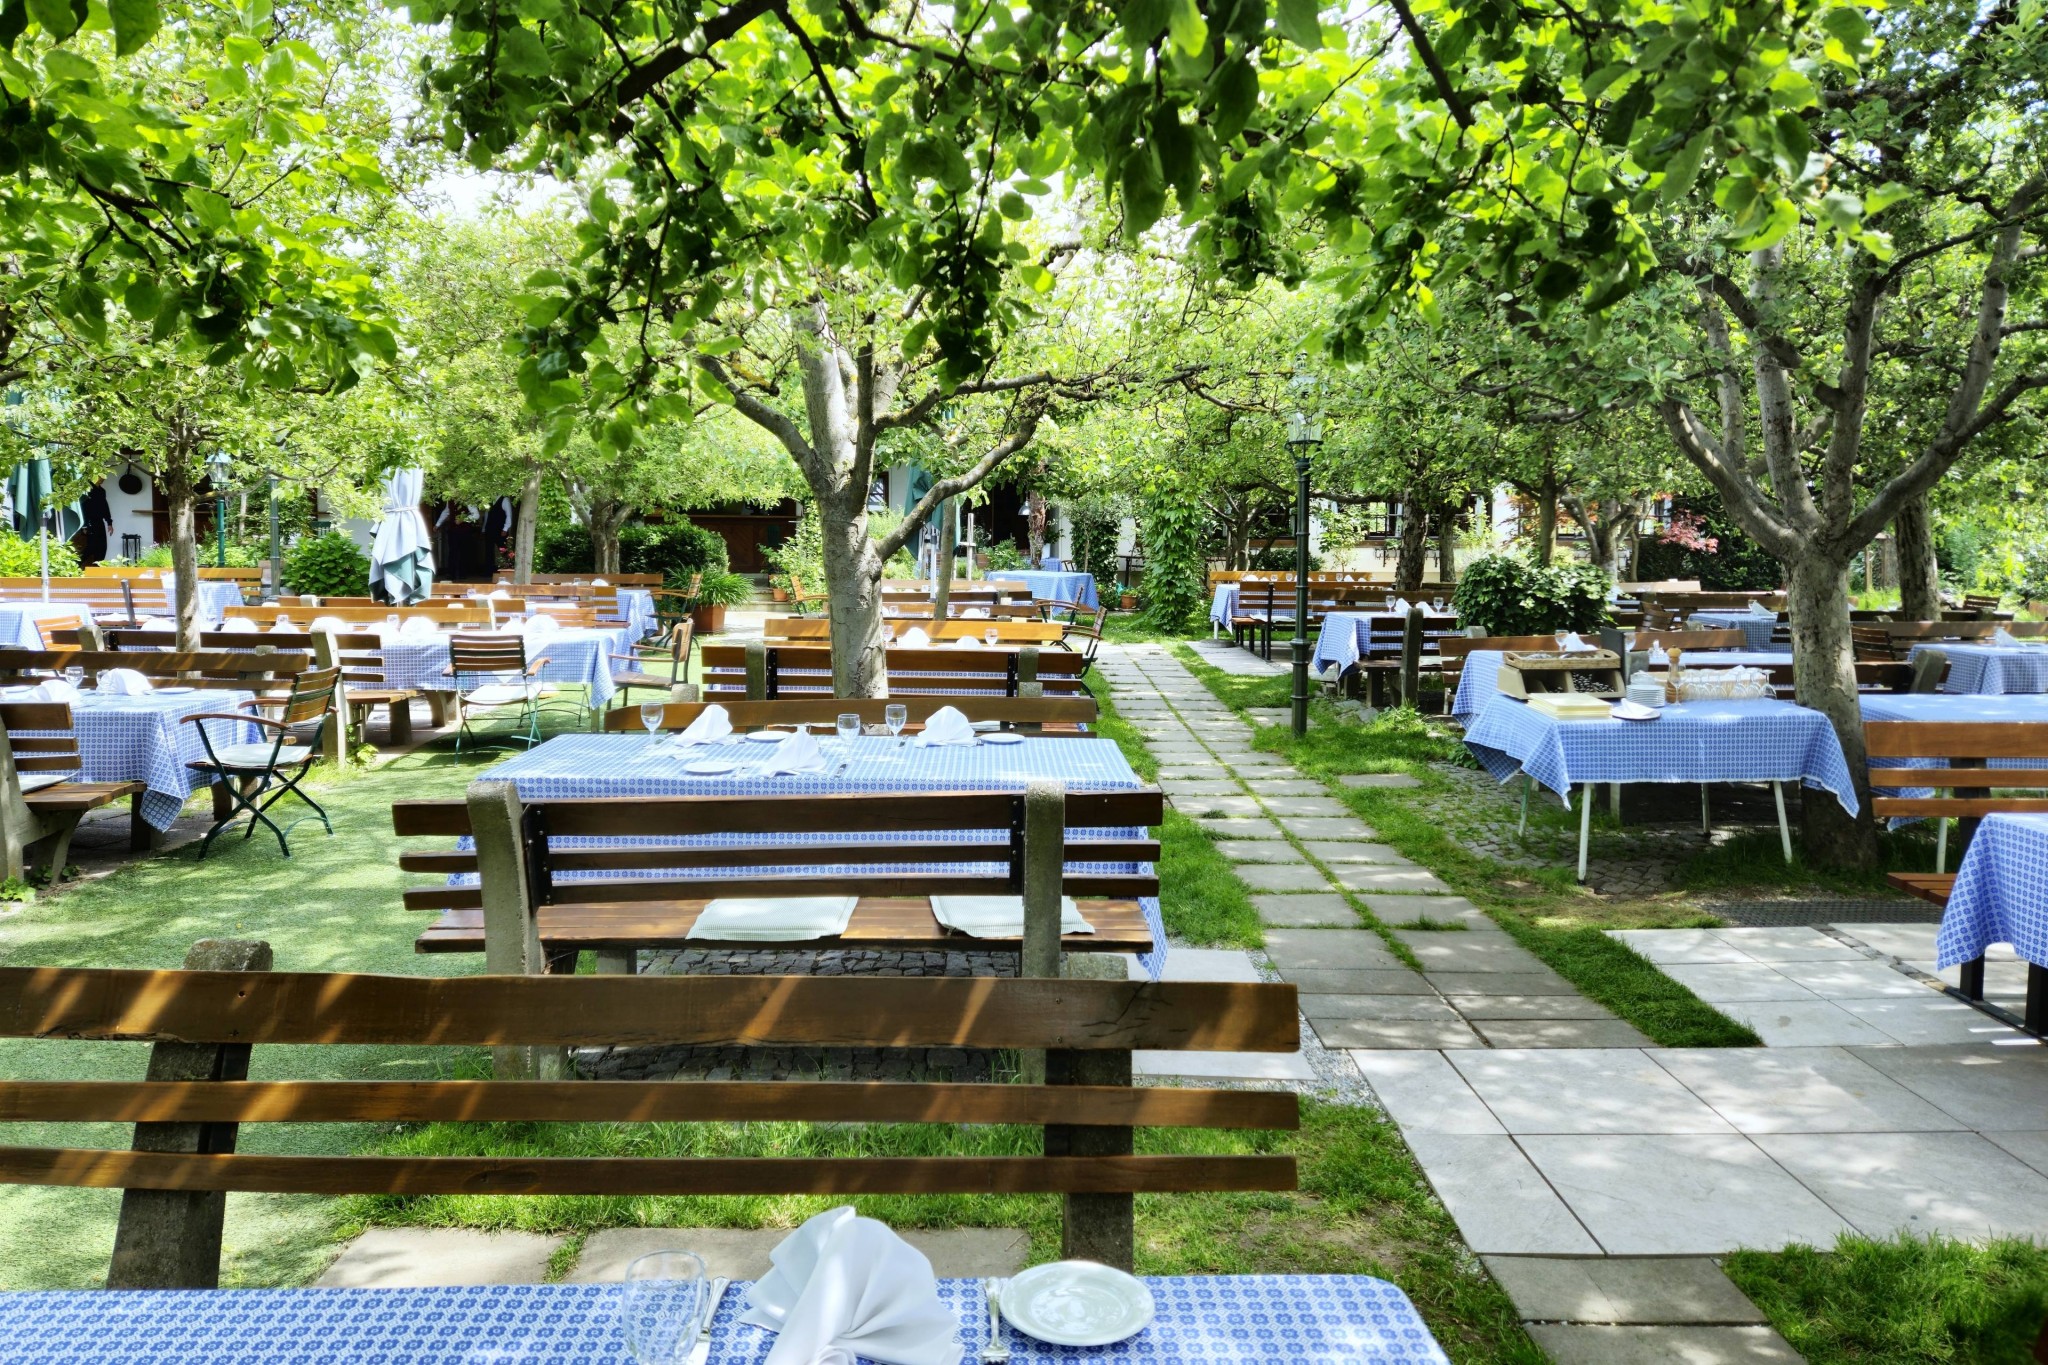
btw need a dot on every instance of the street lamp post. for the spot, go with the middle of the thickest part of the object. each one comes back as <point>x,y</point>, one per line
<point>218,466</point>
<point>1304,434</point>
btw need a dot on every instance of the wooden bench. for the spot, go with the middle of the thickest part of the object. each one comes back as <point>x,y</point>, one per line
<point>806,629</point>
<point>1034,715</point>
<point>476,613</point>
<point>764,672</point>
<point>912,607</point>
<point>539,902</point>
<point>205,1020</point>
<point>37,803</point>
<point>226,670</point>
<point>111,600</point>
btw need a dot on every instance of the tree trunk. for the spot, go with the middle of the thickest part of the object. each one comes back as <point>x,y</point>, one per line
<point>1546,518</point>
<point>1825,674</point>
<point>1919,576</point>
<point>607,519</point>
<point>1447,546</point>
<point>526,526</point>
<point>178,500</point>
<point>853,575</point>
<point>1035,517</point>
<point>944,548</point>
<point>1414,544</point>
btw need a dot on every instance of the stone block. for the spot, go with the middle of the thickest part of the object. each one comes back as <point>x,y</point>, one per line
<point>406,1258</point>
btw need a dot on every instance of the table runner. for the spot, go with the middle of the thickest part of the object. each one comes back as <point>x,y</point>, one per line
<point>1991,670</point>
<point>2000,893</point>
<point>1202,1320</point>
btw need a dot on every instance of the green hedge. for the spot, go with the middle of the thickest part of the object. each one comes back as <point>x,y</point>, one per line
<point>675,550</point>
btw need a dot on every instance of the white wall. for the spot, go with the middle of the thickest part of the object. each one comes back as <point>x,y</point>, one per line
<point>131,515</point>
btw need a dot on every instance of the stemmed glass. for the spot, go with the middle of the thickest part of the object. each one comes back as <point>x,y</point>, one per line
<point>1437,604</point>
<point>661,1306</point>
<point>650,716</point>
<point>990,636</point>
<point>896,715</point>
<point>849,728</point>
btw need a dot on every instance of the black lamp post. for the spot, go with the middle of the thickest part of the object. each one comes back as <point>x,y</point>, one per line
<point>219,466</point>
<point>1304,434</point>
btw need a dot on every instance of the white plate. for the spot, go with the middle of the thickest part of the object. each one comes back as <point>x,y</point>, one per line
<point>1002,737</point>
<point>768,736</point>
<point>709,767</point>
<point>174,691</point>
<point>1077,1303</point>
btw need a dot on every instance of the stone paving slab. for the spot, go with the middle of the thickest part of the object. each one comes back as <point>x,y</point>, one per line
<point>1344,949</point>
<point>1326,827</point>
<point>1466,951</point>
<point>1394,909</point>
<point>1379,780</point>
<point>1423,1093</point>
<point>1292,807</point>
<point>1184,792</point>
<point>1237,827</point>
<point>1254,758</point>
<point>1282,786</point>
<point>1506,1033</point>
<point>1955,1184</point>
<point>1345,852</point>
<point>1800,1090</point>
<point>1259,851</point>
<point>404,1258</point>
<point>1313,910</point>
<point>1337,981</point>
<point>1497,1007</point>
<point>1502,1204</point>
<point>1571,1344</point>
<point>1395,1033</point>
<point>1501,983</point>
<point>1238,805</point>
<point>1626,1291</point>
<point>1205,772</point>
<point>1318,1007</point>
<point>1363,877</point>
<point>742,1253</point>
<point>1283,877</point>
<point>1587,1091</point>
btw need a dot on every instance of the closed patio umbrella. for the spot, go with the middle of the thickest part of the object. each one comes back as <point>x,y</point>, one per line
<point>28,490</point>
<point>401,554</point>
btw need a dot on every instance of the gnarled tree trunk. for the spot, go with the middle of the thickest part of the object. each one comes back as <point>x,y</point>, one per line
<point>179,499</point>
<point>1919,576</point>
<point>1817,595</point>
<point>1546,518</point>
<point>1447,546</point>
<point>1414,544</point>
<point>526,527</point>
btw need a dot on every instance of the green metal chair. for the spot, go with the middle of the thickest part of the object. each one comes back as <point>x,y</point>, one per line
<point>481,665</point>
<point>257,774</point>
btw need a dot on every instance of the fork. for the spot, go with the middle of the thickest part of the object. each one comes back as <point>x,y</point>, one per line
<point>995,1353</point>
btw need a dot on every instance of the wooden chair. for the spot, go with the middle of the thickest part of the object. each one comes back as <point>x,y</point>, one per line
<point>802,600</point>
<point>489,660</point>
<point>364,687</point>
<point>227,1000</point>
<point>674,609</point>
<point>39,803</point>
<point>246,771</point>
<point>48,628</point>
<point>1981,605</point>
<point>1088,632</point>
<point>1033,715</point>
<point>622,874</point>
<point>1262,608</point>
<point>677,651</point>
<point>1874,644</point>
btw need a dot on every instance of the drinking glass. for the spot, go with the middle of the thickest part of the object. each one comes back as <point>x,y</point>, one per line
<point>391,623</point>
<point>661,1306</point>
<point>650,716</point>
<point>896,715</point>
<point>1437,604</point>
<point>990,636</point>
<point>849,727</point>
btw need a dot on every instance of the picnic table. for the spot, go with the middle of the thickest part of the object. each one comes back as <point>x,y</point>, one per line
<point>1756,629</point>
<point>1202,1320</point>
<point>144,739</point>
<point>576,656</point>
<point>1053,585</point>
<point>18,621</point>
<point>1700,741</point>
<point>573,767</point>
<point>1346,635</point>
<point>2000,896</point>
<point>1991,670</point>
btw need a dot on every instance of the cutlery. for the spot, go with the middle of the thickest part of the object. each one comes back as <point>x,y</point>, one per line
<point>701,1352</point>
<point>995,1353</point>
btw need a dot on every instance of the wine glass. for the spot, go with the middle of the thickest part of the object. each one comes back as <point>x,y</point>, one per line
<point>661,1306</point>
<point>1437,605</point>
<point>849,728</point>
<point>896,715</point>
<point>990,636</point>
<point>650,716</point>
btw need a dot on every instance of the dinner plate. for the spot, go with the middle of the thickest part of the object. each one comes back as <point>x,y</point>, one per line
<point>709,767</point>
<point>174,691</point>
<point>768,736</point>
<point>1077,1303</point>
<point>1002,737</point>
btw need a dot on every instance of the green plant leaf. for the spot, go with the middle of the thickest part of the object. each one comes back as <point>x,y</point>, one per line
<point>135,23</point>
<point>1301,22</point>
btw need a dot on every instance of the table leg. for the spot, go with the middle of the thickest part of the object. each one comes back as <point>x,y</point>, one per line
<point>1614,801</point>
<point>1523,827</point>
<point>1941,844</point>
<point>1585,825</point>
<point>1972,983</point>
<point>1784,829</point>
<point>2036,1017</point>
<point>1706,825</point>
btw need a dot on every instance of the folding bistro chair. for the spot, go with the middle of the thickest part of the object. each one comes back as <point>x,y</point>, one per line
<point>651,652</point>
<point>247,770</point>
<point>491,658</point>
<point>1084,634</point>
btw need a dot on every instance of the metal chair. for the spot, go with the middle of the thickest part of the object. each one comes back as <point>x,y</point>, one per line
<point>489,659</point>
<point>636,674</point>
<point>247,770</point>
<point>1090,636</point>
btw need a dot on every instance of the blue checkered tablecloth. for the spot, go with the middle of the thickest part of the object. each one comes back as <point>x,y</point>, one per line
<point>575,656</point>
<point>1699,741</point>
<point>215,597</point>
<point>1346,635</point>
<point>637,606</point>
<point>144,739</point>
<point>1941,707</point>
<point>1201,1320</point>
<point>2000,894</point>
<point>18,621</point>
<point>1479,683</point>
<point>1049,585</point>
<point>1991,670</point>
<point>1756,630</point>
<point>1225,604</point>
<point>572,767</point>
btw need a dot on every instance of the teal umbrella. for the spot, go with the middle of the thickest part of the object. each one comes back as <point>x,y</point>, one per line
<point>28,489</point>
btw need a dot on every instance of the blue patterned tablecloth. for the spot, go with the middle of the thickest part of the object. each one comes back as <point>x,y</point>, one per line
<point>1756,630</point>
<point>18,621</point>
<point>1699,741</point>
<point>1932,706</point>
<point>637,606</point>
<point>1991,670</point>
<point>2000,894</point>
<point>572,767</point>
<point>574,656</point>
<point>1050,585</point>
<point>215,597</point>
<point>1346,635</point>
<point>1202,1320</point>
<point>144,739</point>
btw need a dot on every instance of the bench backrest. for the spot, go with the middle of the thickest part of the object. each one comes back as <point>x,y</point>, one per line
<point>802,671</point>
<point>911,607</point>
<point>469,613</point>
<point>120,598</point>
<point>1030,631</point>
<point>1454,648</point>
<point>1645,640</point>
<point>52,752</point>
<point>1019,713</point>
<point>222,669</point>
<point>1963,748</point>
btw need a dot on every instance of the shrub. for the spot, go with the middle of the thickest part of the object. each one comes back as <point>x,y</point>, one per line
<point>1003,556</point>
<point>1171,528</point>
<point>675,550</point>
<point>242,554</point>
<point>1507,595</point>
<point>1095,531</point>
<point>20,559</point>
<point>1705,543</point>
<point>1280,559</point>
<point>327,566</point>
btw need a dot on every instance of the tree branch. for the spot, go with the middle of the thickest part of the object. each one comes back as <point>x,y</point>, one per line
<point>1029,411</point>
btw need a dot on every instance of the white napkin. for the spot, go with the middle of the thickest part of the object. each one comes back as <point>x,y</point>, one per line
<point>966,642</point>
<point>2004,639</point>
<point>1402,606</point>
<point>124,682</point>
<point>333,625</point>
<point>238,625</point>
<point>282,626</point>
<point>915,638</point>
<point>499,595</point>
<point>599,583</point>
<point>947,725</point>
<point>798,754</point>
<point>539,626</point>
<point>54,689</point>
<point>1000,916</point>
<point>1574,645</point>
<point>976,613</point>
<point>1658,658</point>
<point>845,1286</point>
<point>712,725</point>
<point>1759,609</point>
<point>417,628</point>
<point>773,919</point>
<point>159,623</point>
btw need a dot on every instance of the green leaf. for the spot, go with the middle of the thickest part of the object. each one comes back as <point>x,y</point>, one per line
<point>1301,21</point>
<point>13,23</point>
<point>1189,29</point>
<point>521,52</point>
<point>719,346</point>
<point>1145,20</point>
<point>1174,141</point>
<point>135,23</point>
<point>1144,192</point>
<point>1237,96</point>
<point>1682,169</point>
<point>1883,197</point>
<point>54,17</point>
<point>65,65</point>
<point>1847,25</point>
<point>1014,207</point>
<point>143,298</point>
<point>1784,217</point>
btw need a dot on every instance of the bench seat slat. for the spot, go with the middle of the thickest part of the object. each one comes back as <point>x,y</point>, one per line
<point>2012,779</point>
<point>1956,806</point>
<point>798,855</point>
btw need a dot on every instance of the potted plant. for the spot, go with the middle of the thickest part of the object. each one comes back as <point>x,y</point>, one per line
<point>1129,601</point>
<point>717,592</point>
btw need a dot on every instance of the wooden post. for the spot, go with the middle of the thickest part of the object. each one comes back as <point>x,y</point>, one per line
<point>170,1239</point>
<point>511,931</point>
<point>1028,684</point>
<point>1411,659</point>
<point>1045,863</point>
<point>334,736</point>
<point>688,693</point>
<point>1094,1227</point>
<point>90,637</point>
<point>17,822</point>
<point>757,670</point>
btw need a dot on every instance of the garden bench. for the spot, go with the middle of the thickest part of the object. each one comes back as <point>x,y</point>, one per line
<point>205,1019</point>
<point>37,803</point>
<point>763,672</point>
<point>1033,715</point>
<point>805,629</point>
<point>228,670</point>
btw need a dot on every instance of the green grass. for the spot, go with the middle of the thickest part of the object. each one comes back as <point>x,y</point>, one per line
<point>1901,1302</point>
<point>1206,905</point>
<point>1757,859</point>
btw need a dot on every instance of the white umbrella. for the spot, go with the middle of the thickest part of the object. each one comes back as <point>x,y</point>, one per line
<point>401,556</point>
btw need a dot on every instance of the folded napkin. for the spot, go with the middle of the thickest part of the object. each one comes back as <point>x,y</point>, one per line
<point>539,626</point>
<point>1000,916</point>
<point>845,1287</point>
<point>915,638</point>
<point>124,682</point>
<point>599,583</point>
<point>54,689</point>
<point>333,625</point>
<point>2004,638</point>
<point>946,726</point>
<point>772,919</point>
<point>498,595</point>
<point>1572,644</point>
<point>975,613</point>
<point>798,754</point>
<point>238,625</point>
<point>1402,606</point>
<point>1658,658</point>
<point>417,628</point>
<point>1759,609</point>
<point>709,727</point>
<point>282,626</point>
<point>158,623</point>
<point>966,642</point>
